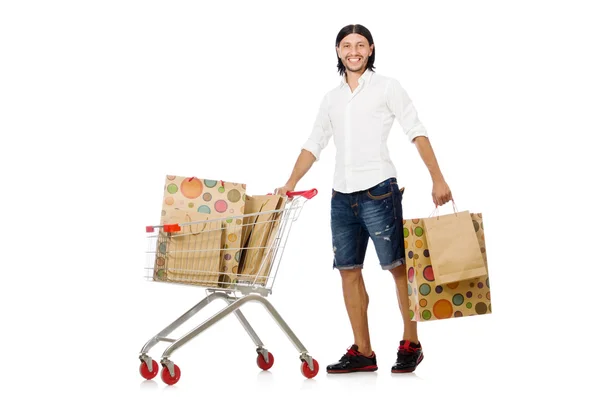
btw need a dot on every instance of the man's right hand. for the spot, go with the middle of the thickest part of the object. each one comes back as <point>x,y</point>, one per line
<point>281,191</point>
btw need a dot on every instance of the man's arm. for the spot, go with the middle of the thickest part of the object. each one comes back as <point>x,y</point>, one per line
<point>305,160</point>
<point>441,191</point>
<point>311,150</point>
<point>428,156</point>
<point>403,108</point>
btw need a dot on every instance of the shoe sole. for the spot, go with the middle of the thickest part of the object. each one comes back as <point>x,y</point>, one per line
<point>407,370</point>
<point>344,371</point>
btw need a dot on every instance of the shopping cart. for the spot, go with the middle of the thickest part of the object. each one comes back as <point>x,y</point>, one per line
<point>193,253</point>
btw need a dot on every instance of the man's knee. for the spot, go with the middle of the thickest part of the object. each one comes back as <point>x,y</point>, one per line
<point>351,275</point>
<point>353,281</point>
<point>399,271</point>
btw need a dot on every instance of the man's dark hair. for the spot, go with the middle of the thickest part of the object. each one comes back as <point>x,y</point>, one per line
<point>361,30</point>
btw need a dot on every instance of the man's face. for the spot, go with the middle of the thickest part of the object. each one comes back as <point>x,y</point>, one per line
<point>354,51</point>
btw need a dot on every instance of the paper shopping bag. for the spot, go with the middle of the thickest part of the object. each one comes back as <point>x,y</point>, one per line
<point>274,239</point>
<point>256,234</point>
<point>252,207</point>
<point>192,255</point>
<point>430,300</point>
<point>453,247</point>
<point>216,200</point>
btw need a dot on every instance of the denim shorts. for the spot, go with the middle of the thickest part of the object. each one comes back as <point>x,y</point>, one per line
<point>375,213</point>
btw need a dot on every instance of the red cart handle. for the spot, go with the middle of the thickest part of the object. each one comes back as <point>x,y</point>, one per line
<point>307,194</point>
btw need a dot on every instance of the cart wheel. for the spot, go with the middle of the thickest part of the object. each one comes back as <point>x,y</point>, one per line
<point>306,369</point>
<point>262,364</point>
<point>166,376</point>
<point>146,373</point>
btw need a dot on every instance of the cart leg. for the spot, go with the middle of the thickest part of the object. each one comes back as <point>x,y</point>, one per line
<point>162,335</point>
<point>260,349</point>
<point>304,356</point>
<point>242,319</point>
<point>282,324</point>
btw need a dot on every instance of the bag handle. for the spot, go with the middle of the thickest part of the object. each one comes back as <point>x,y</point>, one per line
<point>436,210</point>
<point>176,227</point>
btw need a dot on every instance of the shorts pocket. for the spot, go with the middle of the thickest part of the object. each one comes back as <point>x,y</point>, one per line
<point>381,191</point>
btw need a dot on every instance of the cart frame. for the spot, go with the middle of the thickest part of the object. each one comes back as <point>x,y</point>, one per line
<point>251,291</point>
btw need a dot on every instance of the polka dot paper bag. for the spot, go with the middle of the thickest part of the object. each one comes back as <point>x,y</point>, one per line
<point>430,301</point>
<point>215,200</point>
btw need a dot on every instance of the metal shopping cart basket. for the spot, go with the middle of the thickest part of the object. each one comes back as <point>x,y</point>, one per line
<point>193,252</point>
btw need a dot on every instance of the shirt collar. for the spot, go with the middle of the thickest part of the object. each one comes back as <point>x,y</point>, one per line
<point>364,78</point>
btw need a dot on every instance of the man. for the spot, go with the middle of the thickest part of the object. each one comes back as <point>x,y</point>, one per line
<point>366,201</point>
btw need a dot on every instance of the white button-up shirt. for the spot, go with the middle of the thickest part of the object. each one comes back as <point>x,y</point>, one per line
<point>360,123</point>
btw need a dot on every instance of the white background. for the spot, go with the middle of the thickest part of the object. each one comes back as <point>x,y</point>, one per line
<point>100,100</point>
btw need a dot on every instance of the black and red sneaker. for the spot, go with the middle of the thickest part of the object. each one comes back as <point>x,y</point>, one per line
<point>410,355</point>
<point>353,361</point>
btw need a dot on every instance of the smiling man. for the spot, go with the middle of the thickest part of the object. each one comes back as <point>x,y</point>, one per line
<point>366,202</point>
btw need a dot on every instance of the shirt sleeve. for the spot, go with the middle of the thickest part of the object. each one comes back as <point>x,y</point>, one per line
<point>403,108</point>
<point>322,130</point>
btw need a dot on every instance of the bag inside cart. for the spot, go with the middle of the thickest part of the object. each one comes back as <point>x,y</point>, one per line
<point>194,254</point>
<point>258,235</point>
<point>204,200</point>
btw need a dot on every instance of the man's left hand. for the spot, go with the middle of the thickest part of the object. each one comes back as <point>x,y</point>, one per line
<point>441,193</point>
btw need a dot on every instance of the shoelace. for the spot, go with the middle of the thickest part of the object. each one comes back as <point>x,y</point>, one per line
<point>406,348</point>
<point>349,353</point>
<point>352,352</point>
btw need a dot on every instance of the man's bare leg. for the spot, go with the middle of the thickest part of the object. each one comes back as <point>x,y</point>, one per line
<point>357,302</point>
<point>410,327</point>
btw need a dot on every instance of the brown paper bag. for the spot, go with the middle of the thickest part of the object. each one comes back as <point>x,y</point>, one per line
<point>252,206</point>
<point>256,235</point>
<point>271,245</point>
<point>453,247</point>
<point>277,219</point>
<point>192,255</point>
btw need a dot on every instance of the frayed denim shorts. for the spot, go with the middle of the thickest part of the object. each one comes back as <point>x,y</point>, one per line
<point>375,213</point>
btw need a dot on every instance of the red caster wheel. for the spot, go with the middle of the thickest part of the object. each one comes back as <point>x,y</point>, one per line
<point>146,373</point>
<point>166,375</point>
<point>306,369</point>
<point>262,364</point>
